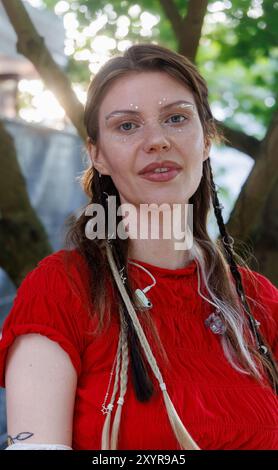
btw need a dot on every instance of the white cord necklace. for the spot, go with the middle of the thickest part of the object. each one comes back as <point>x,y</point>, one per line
<point>140,293</point>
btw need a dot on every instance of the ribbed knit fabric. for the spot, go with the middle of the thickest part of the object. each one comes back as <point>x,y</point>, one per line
<point>220,407</point>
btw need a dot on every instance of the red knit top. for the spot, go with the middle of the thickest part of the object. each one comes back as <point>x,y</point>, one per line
<point>220,407</point>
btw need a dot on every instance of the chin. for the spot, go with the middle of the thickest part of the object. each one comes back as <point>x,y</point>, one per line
<point>168,201</point>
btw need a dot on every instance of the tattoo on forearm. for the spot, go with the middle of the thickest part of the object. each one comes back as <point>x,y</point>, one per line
<point>22,436</point>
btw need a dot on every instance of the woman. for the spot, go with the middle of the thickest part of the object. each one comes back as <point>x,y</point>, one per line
<point>191,365</point>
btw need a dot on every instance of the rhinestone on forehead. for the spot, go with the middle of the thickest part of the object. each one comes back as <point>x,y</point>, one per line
<point>161,101</point>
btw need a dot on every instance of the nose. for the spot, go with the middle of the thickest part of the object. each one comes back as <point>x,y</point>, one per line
<point>156,140</point>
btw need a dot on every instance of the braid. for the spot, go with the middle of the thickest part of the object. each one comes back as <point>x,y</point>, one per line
<point>183,437</point>
<point>143,385</point>
<point>227,242</point>
<point>123,386</point>
<point>105,438</point>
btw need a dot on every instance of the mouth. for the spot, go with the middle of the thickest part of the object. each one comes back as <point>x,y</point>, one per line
<point>161,174</point>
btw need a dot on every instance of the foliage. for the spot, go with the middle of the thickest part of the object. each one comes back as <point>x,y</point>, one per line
<point>237,53</point>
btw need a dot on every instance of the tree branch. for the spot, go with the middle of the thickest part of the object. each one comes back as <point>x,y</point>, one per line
<point>187,29</point>
<point>240,141</point>
<point>192,27</point>
<point>32,46</point>
<point>172,13</point>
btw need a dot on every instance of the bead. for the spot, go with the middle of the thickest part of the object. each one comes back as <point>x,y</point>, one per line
<point>229,242</point>
<point>263,349</point>
<point>162,386</point>
<point>215,323</point>
<point>120,401</point>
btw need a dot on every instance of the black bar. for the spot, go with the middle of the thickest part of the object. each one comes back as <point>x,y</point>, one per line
<point>133,459</point>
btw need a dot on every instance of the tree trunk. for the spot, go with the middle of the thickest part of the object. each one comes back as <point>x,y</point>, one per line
<point>247,215</point>
<point>23,239</point>
<point>266,246</point>
<point>254,218</point>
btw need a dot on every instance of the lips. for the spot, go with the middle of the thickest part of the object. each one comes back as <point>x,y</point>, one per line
<point>166,164</point>
<point>161,176</point>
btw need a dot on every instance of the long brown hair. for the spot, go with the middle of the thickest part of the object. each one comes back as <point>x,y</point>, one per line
<point>243,344</point>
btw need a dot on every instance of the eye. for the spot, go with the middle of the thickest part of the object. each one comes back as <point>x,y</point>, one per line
<point>177,121</point>
<point>126,126</point>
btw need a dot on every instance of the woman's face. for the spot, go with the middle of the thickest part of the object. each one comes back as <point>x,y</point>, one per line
<point>140,125</point>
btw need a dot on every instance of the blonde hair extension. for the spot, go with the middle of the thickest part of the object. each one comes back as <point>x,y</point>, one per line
<point>105,437</point>
<point>123,387</point>
<point>185,440</point>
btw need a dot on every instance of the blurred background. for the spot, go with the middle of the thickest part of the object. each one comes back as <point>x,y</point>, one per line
<point>49,51</point>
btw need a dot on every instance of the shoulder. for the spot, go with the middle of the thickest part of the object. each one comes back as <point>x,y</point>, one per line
<point>57,273</point>
<point>51,301</point>
<point>54,295</point>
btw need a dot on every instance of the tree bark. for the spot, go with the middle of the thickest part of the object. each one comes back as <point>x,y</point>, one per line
<point>266,246</point>
<point>23,239</point>
<point>193,23</point>
<point>32,46</point>
<point>172,13</point>
<point>254,219</point>
<point>188,29</point>
<point>247,214</point>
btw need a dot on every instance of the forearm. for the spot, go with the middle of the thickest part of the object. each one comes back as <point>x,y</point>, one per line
<point>34,446</point>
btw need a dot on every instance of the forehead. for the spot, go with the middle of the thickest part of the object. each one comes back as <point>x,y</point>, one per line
<point>145,89</point>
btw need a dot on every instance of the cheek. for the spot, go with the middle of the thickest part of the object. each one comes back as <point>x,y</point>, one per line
<point>116,159</point>
<point>119,165</point>
<point>191,146</point>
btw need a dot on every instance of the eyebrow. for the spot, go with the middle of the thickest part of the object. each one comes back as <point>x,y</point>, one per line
<point>131,111</point>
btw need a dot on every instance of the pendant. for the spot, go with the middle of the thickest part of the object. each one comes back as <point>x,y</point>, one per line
<point>215,323</point>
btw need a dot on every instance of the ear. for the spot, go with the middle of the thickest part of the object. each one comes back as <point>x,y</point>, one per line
<point>96,157</point>
<point>207,147</point>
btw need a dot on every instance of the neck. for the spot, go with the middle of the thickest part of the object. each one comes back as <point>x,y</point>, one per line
<point>172,251</point>
<point>159,253</point>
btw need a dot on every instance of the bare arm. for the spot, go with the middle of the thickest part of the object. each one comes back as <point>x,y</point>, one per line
<point>40,390</point>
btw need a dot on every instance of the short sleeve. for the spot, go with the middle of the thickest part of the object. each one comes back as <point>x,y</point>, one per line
<point>47,304</point>
<point>262,296</point>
